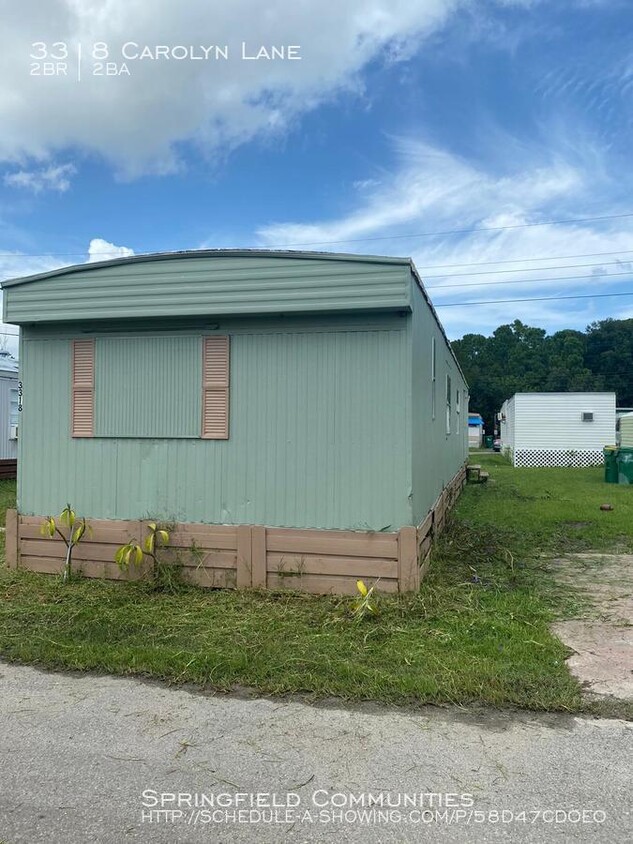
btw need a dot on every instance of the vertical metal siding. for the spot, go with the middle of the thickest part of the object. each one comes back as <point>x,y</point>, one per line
<point>148,386</point>
<point>320,437</point>
<point>436,455</point>
<point>53,468</point>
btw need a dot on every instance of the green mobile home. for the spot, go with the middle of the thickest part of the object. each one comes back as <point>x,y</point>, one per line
<point>299,417</point>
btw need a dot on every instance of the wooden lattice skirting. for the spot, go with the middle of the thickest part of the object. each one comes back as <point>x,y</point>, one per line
<point>249,556</point>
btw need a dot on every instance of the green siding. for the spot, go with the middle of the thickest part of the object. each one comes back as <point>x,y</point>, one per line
<point>211,285</point>
<point>437,456</point>
<point>148,386</point>
<point>320,434</point>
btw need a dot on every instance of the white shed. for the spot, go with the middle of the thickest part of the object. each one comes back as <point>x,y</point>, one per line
<point>557,429</point>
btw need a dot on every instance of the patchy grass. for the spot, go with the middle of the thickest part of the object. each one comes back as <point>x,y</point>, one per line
<point>453,643</point>
<point>7,498</point>
<point>550,510</point>
<point>477,633</point>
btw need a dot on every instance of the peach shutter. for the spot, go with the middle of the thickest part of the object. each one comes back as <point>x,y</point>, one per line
<point>215,387</point>
<point>83,380</point>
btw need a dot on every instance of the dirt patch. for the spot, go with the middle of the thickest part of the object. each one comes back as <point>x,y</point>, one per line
<point>602,639</point>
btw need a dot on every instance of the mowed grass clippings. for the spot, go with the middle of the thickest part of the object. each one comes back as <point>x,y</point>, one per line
<point>550,510</point>
<point>454,643</point>
<point>478,631</point>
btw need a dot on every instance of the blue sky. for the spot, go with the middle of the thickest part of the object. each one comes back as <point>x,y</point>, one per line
<point>401,118</point>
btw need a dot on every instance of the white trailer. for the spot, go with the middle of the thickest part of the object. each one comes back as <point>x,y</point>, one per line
<point>557,429</point>
<point>9,403</point>
<point>625,424</point>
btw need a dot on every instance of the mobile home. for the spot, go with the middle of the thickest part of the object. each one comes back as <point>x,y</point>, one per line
<point>557,429</point>
<point>624,433</point>
<point>9,413</point>
<point>295,414</point>
<point>475,430</point>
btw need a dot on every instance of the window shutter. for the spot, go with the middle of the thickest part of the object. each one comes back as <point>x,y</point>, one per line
<point>215,388</point>
<point>83,381</point>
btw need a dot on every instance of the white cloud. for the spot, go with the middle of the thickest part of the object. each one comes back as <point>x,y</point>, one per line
<point>102,250</point>
<point>433,191</point>
<point>137,122</point>
<point>54,177</point>
<point>14,264</point>
<point>363,184</point>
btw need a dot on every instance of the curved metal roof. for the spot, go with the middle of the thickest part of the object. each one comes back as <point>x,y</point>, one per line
<point>207,253</point>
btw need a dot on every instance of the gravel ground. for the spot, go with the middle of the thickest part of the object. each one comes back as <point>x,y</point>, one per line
<point>79,752</point>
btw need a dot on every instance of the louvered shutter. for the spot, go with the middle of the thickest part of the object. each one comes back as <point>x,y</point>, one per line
<point>215,388</point>
<point>83,378</point>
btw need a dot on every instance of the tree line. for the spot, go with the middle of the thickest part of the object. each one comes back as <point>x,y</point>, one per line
<point>520,358</point>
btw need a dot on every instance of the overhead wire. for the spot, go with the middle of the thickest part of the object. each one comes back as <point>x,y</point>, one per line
<point>527,280</point>
<point>473,230</point>
<point>534,299</point>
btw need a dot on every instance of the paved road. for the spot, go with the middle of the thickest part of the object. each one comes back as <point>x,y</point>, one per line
<point>77,754</point>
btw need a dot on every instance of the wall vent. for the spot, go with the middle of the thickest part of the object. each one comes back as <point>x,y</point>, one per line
<point>587,417</point>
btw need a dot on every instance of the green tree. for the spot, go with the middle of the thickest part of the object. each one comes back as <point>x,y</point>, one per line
<point>522,358</point>
<point>610,356</point>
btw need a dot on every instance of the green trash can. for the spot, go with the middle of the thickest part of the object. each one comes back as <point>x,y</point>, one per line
<point>610,464</point>
<point>624,458</point>
<point>488,440</point>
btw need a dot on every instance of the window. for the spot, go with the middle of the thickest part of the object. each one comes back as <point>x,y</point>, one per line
<point>151,386</point>
<point>458,407</point>
<point>448,404</point>
<point>13,413</point>
<point>433,377</point>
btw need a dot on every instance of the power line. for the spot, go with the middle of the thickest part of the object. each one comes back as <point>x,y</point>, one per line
<point>526,280</point>
<point>473,230</point>
<point>534,270</point>
<point>516,260</point>
<point>458,231</point>
<point>536,299</point>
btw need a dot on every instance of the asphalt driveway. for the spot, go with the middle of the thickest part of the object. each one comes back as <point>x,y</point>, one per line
<point>102,759</point>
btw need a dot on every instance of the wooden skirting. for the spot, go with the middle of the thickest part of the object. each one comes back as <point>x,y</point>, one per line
<point>435,521</point>
<point>8,468</point>
<point>248,556</point>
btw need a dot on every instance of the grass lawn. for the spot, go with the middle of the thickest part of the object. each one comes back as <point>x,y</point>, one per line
<point>550,509</point>
<point>476,633</point>
<point>7,498</point>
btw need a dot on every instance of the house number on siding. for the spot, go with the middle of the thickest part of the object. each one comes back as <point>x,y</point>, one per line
<point>20,397</point>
